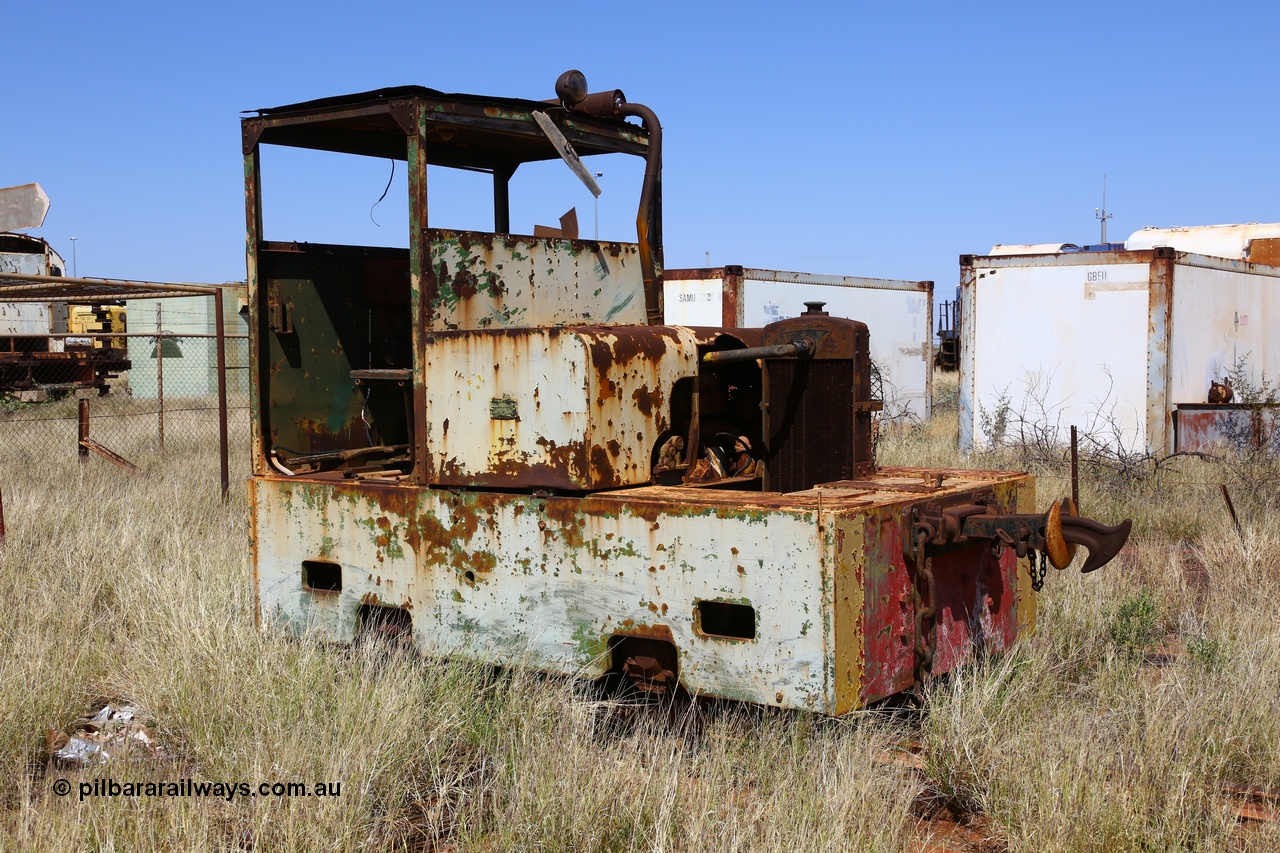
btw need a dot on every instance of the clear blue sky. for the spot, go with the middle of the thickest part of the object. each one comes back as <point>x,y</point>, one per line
<point>859,139</point>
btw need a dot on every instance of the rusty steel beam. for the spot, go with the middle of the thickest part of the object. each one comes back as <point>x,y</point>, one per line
<point>23,283</point>
<point>421,276</point>
<point>109,455</point>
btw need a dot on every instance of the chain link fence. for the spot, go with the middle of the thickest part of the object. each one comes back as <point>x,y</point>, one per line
<point>143,392</point>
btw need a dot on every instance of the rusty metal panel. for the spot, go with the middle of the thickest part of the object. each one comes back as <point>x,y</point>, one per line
<point>1221,316</point>
<point>976,606</point>
<point>545,408</point>
<point>549,581</point>
<point>1243,428</point>
<point>480,281</point>
<point>1264,250</point>
<point>876,636</point>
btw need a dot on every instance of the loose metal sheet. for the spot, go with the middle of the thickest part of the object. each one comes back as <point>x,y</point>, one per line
<point>489,281</point>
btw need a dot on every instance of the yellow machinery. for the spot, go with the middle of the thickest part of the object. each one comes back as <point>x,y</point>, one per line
<point>89,319</point>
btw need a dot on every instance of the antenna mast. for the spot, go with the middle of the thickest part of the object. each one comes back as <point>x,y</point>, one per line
<point>1100,213</point>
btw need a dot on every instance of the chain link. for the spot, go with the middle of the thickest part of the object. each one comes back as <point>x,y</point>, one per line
<point>1037,578</point>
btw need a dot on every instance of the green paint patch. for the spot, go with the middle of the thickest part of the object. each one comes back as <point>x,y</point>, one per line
<point>385,536</point>
<point>589,643</point>
<point>619,307</point>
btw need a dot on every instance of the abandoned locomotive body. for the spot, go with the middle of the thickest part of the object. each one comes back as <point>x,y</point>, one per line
<point>489,442</point>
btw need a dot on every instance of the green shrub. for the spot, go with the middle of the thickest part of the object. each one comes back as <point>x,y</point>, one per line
<point>1135,625</point>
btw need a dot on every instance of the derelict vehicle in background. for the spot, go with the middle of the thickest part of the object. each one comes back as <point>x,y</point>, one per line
<point>50,349</point>
<point>489,441</point>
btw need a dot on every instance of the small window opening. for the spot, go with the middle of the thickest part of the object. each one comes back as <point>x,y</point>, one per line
<point>651,666</point>
<point>320,576</point>
<point>722,619</point>
<point>391,625</point>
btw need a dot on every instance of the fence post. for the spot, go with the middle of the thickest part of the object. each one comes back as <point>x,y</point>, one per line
<point>84,431</point>
<point>1075,470</point>
<point>222,390</point>
<point>160,376</point>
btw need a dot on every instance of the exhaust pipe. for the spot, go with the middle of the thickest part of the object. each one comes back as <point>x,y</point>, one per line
<point>571,92</point>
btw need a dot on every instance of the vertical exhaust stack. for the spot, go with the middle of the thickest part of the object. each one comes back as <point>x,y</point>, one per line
<point>571,91</point>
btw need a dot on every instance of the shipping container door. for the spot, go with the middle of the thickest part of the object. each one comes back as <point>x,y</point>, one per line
<point>1055,345</point>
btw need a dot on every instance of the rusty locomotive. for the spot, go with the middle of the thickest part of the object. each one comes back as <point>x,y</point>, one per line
<point>491,443</point>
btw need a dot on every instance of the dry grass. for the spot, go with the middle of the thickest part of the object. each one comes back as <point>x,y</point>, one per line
<point>1149,688</point>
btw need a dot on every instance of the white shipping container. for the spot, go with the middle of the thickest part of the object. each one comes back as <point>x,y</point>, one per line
<point>1110,341</point>
<point>898,314</point>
